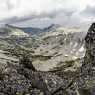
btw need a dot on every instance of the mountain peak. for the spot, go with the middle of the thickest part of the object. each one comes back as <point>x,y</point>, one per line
<point>51,27</point>
<point>92,27</point>
<point>9,30</point>
<point>90,37</point>
<point>7,25</point>
<point>10,26</point>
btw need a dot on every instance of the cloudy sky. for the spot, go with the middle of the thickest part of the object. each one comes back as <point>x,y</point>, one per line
<point>40,13</point>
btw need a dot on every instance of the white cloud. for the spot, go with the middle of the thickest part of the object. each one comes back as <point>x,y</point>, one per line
<point>59,9</point>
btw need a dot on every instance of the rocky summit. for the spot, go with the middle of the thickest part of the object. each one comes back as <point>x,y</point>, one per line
<point>58,62</point>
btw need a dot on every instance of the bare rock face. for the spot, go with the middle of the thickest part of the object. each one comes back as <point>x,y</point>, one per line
<point>90,44</point>
<point>88,67</point>
<point>89,60</point>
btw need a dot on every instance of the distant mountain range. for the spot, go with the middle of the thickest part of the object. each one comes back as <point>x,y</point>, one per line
<point>32,30</point>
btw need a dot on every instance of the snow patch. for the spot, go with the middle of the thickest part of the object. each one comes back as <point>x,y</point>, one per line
<point>81,49</point>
